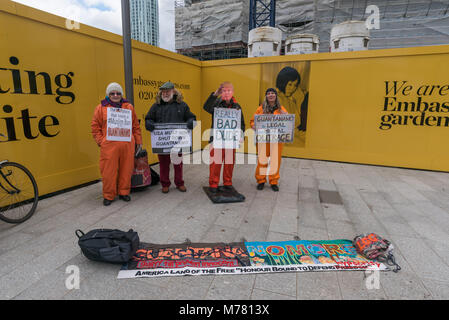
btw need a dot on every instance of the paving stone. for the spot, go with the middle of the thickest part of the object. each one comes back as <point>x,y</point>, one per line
<point>311,233</point>
<point>403,286</point>
<point>188,288</point>
<point>335,212</point>
<point>438,289</point>
<point>408,207</point>
<point>268,295</point>
<point>318,286</point>
<point>422,259</point>
<point>311,215</point>
<point>353,286</point>
<point>309,195</point>
<point>138,289</point>
<point>281,283</point>
<point>284,219</point>
<point>231,287</point>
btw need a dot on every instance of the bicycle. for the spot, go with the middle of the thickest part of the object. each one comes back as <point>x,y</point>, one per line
<point>18,192</point>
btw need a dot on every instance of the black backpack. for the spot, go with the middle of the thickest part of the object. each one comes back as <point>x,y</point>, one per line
<point>107,245</point>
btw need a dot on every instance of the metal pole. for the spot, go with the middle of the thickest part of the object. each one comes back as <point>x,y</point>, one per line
<point>127,53</point>
<point>252,14</point>
<point>273,13</point>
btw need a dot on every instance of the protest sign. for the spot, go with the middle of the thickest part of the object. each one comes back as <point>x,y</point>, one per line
<point>171,137</point>
<point>119,124</point>
<point>227,128</point>
<point>274,128</point>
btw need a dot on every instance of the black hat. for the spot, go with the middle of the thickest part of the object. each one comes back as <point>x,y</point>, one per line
<point>271,90</point>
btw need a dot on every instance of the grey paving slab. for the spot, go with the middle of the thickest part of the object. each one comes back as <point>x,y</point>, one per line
<point>403,285</point>
<point>284,219</point>
<point>231,287</point>
<point>353,286</point>
<point>259,294</point>
<point>280,283</point>
<point>318,286</point>
<point>408,207</point>
<point>438,289</point>
<point>312,233</point>
<point>422,259</point>
<point>188,287</point>
<point>310,214</point>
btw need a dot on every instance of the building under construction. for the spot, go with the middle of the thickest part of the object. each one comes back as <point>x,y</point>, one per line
<point>218,29</point>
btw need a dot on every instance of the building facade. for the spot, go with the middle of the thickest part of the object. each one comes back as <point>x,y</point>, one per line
<point>218,29</point>
<point>145,21</point>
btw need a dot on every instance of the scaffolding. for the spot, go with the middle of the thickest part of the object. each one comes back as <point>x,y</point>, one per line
<point>403,23</point>
<point>212,29</point>
<point>217,51</point>
<point>262,13</point>
<point>208,29</point>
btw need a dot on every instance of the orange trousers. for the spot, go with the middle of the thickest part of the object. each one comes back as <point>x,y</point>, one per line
<point>265,151</point>
<point>217,158</point>
<point>116,167</point>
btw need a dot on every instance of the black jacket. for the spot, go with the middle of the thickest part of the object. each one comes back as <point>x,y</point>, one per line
<point>215,102</point>
<point>176,111</point>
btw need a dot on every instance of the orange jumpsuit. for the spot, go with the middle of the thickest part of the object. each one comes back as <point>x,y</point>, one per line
<point>265,151</point>
<point>116,157</point>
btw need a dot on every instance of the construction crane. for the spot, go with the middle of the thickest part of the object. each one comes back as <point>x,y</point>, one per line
<point>262,13</point>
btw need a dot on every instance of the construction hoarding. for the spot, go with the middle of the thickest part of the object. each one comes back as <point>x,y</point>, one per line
<point>384,107</point>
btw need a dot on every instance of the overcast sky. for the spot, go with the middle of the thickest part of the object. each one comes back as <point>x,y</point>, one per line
<point>106,15</point>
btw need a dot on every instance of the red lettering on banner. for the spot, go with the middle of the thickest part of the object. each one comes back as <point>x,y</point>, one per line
<point>333,249</point>
<point>187,263</point>
<point>175,254</point>
<point>300,250</point>
<point>280,251</point>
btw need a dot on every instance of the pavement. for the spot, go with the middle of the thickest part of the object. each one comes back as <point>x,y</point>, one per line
<point>408,207</point>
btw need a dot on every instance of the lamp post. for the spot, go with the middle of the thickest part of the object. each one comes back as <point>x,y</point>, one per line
<point>127,51</point>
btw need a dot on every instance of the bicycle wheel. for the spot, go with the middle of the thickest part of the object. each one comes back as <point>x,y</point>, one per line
<point>18,193</point>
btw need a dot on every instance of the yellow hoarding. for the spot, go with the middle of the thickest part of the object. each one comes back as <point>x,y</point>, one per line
<point>386,107</point>
<point>391,110</point>
<point>51,80</point>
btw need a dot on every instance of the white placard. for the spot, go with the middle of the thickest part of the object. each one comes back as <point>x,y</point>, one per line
<point>274,128</point>
<point>171,137</point>
<point>227,128</point>
<point>119,124</point>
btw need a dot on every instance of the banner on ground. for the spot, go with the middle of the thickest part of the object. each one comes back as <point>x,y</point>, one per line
<point>153,260</point>
<point>171,137</point>
<point>227,128</point>
<point>274,128</point>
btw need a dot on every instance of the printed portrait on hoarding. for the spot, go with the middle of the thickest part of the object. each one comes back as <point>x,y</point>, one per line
<point>291,81</point>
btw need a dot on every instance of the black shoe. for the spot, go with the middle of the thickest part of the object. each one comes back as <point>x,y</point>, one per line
<point>213,190</point>
<point>227,187</point>
<point>275,187</point>
<point>260,186</point>
<point>107,202</point>
<point>126,198</point>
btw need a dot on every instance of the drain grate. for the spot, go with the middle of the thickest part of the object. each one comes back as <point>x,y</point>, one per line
<point>332,197</point>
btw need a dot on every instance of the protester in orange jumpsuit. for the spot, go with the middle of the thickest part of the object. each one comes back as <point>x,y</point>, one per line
<point>271,105</point>
<point>117,144</point>
<point>222,98</point>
